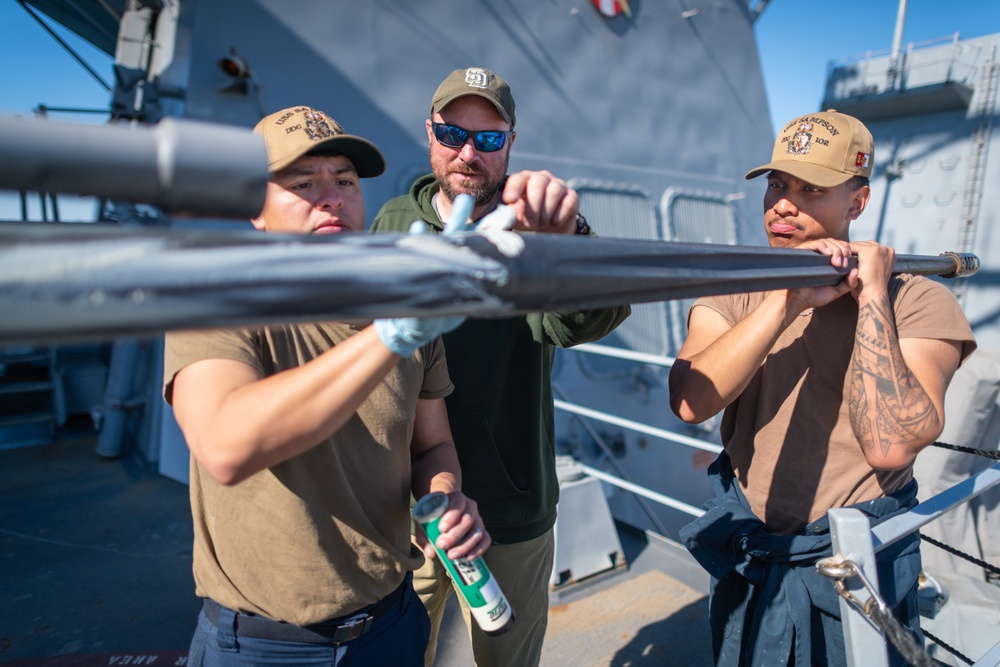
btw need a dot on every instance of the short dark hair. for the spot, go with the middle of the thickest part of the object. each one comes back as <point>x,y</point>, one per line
<point>857,182</point>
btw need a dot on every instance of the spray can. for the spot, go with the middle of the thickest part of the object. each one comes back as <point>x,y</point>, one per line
<point>475,581</point>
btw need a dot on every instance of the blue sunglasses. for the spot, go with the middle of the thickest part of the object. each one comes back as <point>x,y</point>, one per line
<point>454,136</point>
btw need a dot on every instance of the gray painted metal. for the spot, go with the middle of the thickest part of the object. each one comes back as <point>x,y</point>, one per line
<point>671,99</point>
<point>77,283</point>
<point>932,111</point>
<point>597,98</point>
<point>118,398</point>
<point>894,529</point>
<point>852,540</point>
<point>991,659</point>
<point>184,167</point>
<point>586,542</point>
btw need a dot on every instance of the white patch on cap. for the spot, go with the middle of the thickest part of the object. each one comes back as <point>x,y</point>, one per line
<point>477,77</point>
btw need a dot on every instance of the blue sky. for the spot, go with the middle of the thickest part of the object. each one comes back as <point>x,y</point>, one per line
<point>796,39</point>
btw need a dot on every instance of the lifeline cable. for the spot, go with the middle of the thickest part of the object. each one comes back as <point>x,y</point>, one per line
<point>961,554</point>
<point>948,647</point>
<point>988,453</point>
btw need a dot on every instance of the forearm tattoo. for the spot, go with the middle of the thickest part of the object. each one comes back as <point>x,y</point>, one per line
<point>888,406</point>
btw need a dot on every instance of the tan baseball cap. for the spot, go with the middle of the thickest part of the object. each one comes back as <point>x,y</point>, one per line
<point>296,131</point>
<point>826,148</point>
<point>475,81</point>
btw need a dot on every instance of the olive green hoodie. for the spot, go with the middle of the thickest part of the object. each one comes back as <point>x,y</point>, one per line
<point>501,411</point>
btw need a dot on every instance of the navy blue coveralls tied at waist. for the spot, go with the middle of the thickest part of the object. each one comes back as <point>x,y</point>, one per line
<point>769,605</point>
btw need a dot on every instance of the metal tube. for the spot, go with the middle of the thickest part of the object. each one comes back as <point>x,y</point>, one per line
<point>76,282</point>
<point>124,358</point>
<point>897,37</point>
<point>185,167</point>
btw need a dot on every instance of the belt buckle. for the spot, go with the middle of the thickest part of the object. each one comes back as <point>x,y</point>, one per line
<point>354,628</point>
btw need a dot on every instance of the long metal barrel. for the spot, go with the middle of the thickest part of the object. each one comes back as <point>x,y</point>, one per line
<point>186,167</point>
<point>80,282</point>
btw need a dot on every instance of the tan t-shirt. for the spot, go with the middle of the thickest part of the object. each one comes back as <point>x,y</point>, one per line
<point>789,433</point>
<point>327,532</point>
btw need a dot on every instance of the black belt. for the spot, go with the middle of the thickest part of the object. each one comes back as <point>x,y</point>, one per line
<point>334,631</point>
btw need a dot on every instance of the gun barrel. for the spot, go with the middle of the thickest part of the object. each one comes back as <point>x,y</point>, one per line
<point>185,167</point>
<point>80,282</point>
<point>946,265</point>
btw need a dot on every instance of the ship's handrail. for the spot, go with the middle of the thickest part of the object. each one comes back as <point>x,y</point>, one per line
<point>853,537</point>
<point>896,528</point>
<point>630,424</point>
<point>622,353</point>
<point>642,491</point>
<point>877,72</point>
<point>856,541</point>
<point>597,415</point>
<point>910,47</point>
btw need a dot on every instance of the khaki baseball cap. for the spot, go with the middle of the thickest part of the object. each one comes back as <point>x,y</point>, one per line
<point>296,131</point>
<point>826,148</point>
<point>475,81</point>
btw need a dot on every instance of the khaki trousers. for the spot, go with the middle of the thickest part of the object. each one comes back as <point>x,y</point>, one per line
<point>522,571</point>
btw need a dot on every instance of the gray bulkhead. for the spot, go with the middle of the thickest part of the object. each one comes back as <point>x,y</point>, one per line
<point>653,118</point>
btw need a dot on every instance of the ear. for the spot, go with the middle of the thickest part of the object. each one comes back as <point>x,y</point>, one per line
<point>430,131</point>
<point>859,200</point>
<point>513,136</point>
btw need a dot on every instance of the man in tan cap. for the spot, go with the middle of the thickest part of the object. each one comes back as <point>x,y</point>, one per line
<point>829,395</point>
<point>502,409</point>
<point>307,441</point>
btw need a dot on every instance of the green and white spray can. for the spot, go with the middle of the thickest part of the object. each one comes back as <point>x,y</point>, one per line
<point>475,581</point>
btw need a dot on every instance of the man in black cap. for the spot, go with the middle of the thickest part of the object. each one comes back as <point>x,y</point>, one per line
<point>501,412</point>
<point>307,441</point>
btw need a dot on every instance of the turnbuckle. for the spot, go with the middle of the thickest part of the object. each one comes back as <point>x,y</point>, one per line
<point>841,569</point>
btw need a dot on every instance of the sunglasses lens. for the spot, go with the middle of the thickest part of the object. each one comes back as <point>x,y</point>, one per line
<point>454,136</point>
<point>490,141</point>
<point>450,135</point>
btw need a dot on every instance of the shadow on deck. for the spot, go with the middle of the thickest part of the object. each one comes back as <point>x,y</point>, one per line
<point>95,566</point>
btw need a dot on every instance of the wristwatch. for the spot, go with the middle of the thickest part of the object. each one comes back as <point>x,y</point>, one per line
<point>582,226</point>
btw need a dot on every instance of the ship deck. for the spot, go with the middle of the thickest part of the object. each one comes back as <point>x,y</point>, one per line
<point>96,570</point>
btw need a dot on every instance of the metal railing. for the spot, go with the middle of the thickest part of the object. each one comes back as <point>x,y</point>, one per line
<point>620,481</point>
<point>918,64</point>
<point>854,540</point>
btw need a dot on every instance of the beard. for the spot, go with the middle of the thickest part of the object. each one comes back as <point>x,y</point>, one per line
<point>481,192</point>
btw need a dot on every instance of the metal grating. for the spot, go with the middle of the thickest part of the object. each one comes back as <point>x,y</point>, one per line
<point>624,212</point>
<point>694,217</point>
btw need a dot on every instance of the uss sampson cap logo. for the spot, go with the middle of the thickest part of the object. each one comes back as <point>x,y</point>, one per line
<point>297,131</point>
<point>826,149</point>
<point>317,128</point>
<point>801,140</point>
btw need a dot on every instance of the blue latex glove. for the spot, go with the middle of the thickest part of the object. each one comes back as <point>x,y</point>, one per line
<point>403,335</point>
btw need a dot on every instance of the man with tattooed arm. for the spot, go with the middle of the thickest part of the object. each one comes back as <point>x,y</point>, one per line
<point>829,395</point>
